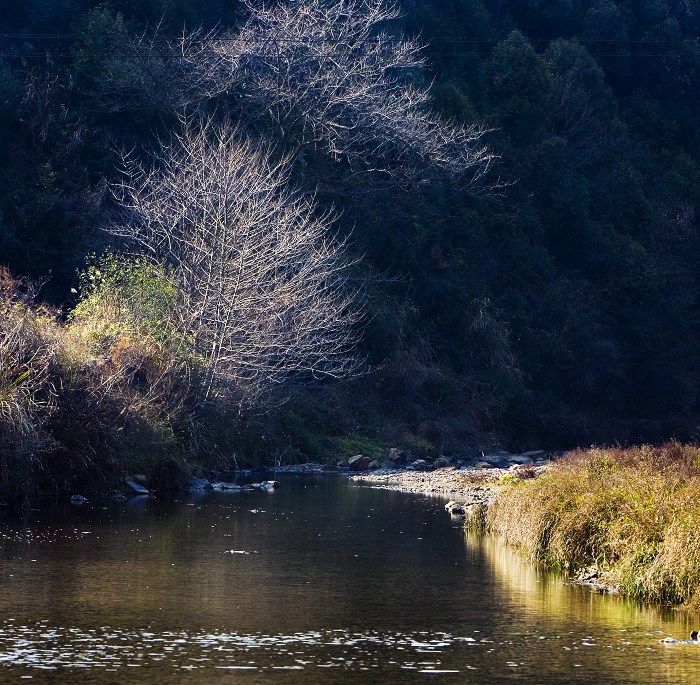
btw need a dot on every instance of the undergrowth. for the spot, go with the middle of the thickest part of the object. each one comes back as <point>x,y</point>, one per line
<point>106,393</point>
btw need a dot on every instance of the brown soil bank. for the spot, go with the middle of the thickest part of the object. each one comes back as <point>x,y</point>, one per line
<point>628,517</point>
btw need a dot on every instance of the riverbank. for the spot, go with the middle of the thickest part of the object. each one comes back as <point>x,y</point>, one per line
<point>617,520</point>
<point>464,486</point>
<point>468,481</point>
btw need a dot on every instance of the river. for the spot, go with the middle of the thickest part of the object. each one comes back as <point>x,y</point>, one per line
<point>319,581</point>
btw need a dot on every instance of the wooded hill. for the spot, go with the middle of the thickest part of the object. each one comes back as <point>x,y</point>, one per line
<point>551,301</point>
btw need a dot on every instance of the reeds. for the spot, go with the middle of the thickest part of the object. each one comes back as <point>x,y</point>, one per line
<point>633,513</point>
<point>27,353</point>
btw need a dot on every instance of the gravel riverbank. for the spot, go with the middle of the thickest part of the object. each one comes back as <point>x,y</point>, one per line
<point>462,486</point>
<point>466,486</point>
<point>447,483</point>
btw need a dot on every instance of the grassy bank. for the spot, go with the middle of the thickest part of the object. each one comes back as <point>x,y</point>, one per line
<point>632,513</point>
<point>87,400</point>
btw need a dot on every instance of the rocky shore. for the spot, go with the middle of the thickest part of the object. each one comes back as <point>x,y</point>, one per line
<point>463,483</point>
<point>466,485</point>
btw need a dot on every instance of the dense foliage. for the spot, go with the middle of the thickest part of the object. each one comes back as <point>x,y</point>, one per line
<point>559,308</point>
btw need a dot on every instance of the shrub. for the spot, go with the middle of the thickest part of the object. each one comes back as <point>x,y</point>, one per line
<point>123,297</point>
<point>123,334</point>
<point>123,377</point>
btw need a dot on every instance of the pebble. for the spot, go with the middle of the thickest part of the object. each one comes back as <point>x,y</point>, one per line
<point>466,486</point>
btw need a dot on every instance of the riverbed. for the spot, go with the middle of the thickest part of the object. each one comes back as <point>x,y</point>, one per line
<point>319,581</point>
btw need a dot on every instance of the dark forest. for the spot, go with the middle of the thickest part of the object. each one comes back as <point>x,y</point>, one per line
<point>550,301</point>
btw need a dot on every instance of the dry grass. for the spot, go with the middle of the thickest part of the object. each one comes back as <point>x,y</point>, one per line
<point>28,344</point>
<point>634,513</point>
<point>83,403</point>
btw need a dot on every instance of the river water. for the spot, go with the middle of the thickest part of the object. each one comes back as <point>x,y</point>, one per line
<point>317,582</point>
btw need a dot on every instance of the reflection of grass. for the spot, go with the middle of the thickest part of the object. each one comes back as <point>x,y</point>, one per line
<point>634,513</point>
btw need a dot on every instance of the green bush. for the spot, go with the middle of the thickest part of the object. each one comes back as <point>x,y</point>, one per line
<point>126,297</point>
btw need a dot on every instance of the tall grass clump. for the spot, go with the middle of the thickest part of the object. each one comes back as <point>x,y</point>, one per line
<point>28,342</point>
<point>633,513</point>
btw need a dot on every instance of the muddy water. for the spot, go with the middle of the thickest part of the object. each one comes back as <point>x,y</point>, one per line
<point>318,582</point>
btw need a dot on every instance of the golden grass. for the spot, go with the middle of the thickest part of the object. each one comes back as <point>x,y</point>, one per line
<point>633,513</point>
<point>28,341</point>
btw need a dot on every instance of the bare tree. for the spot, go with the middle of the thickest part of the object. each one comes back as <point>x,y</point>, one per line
<point>330,76</point>
<point>264,287</point>
<point>323,79</point>
<point>333,81</point>
<point>151,71</point>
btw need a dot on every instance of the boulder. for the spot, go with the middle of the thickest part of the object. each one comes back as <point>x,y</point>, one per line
<point>397,456</point>
<point>454,508</point>
<point>78,500</point>
<point>359,462</point>
<point>342,464</point>
<point>199,484</point>
<point>373,465</point>
<point>484,465</point>
<point>496,460</point>
<point>441,462</point>
<point>521,459</point>
<point>136,487</point>
<point>419,465</point>
<point>232,487</point>
<point>534,454</point>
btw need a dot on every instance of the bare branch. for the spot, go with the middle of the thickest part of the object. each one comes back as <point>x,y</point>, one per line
<point>263,284</point>
<point>331,78</point>
<point>320,78</point>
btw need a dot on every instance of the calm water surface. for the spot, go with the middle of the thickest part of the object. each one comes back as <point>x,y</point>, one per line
<point>318,582</point>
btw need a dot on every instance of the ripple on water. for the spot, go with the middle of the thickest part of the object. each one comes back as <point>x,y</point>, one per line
<point>44,647</point>
<point>49,648</point>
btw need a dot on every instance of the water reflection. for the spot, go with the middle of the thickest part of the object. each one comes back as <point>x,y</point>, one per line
<point>532,590</point>
<point>316,578</point>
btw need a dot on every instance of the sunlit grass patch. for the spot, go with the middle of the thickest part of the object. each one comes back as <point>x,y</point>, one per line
<point>633,513</point>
